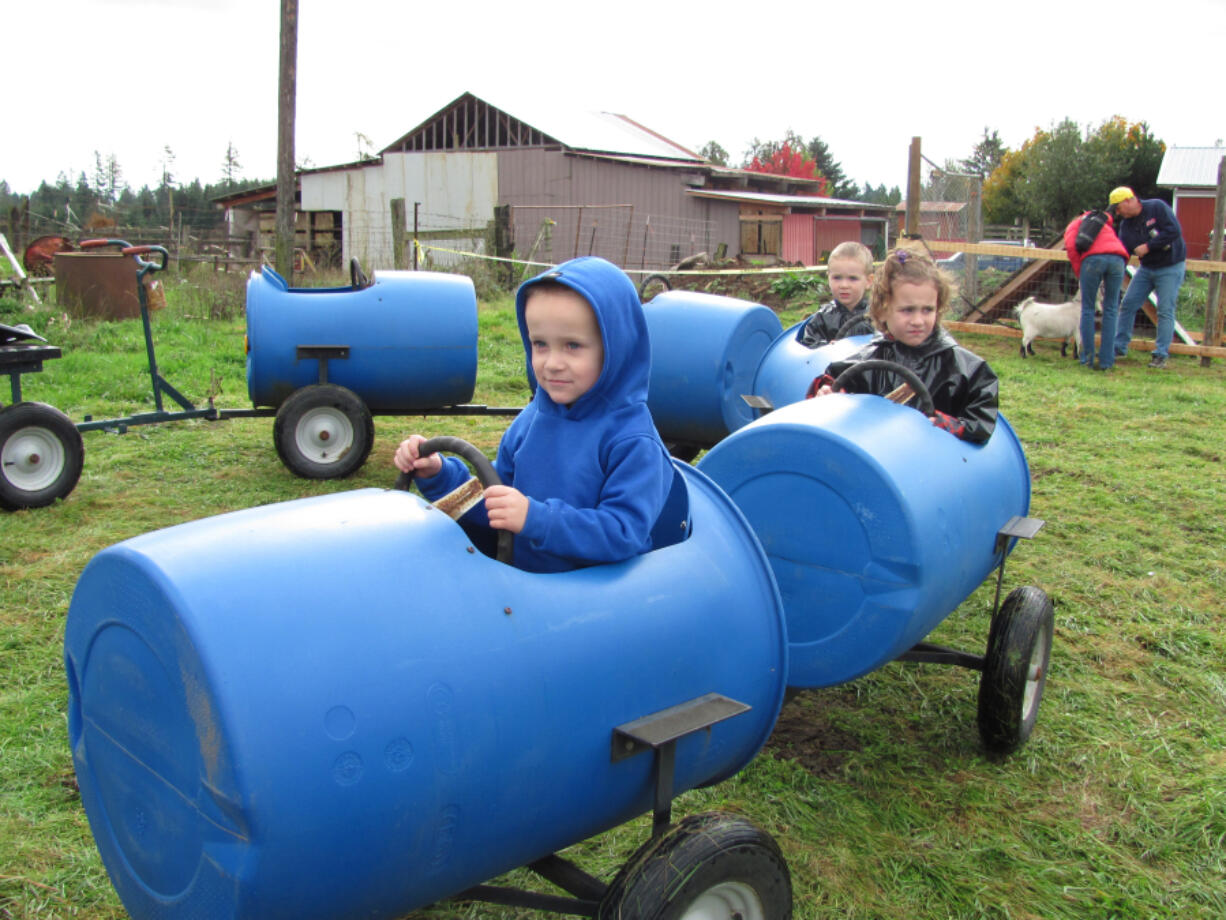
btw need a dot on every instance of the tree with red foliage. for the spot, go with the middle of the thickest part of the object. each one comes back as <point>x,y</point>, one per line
<point>786,161</point>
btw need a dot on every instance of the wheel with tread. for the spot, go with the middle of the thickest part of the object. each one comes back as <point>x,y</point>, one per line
<point>711,866</point>
<point>323,431</point>
<point>1015,669</point>
<point>41,455</point>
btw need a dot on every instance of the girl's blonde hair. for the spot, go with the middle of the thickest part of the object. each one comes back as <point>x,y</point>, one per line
<point>909,266</point>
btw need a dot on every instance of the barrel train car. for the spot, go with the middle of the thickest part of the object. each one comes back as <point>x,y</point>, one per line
<point>419,718</point>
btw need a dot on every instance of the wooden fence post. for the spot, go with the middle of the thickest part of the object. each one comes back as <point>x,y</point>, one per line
<point>398,233</point>
<point>912,226</point>
<point>1213,302</point>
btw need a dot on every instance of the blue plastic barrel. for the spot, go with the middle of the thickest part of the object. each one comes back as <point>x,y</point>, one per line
<point>412,339</point>
<point>788,367</point>
<point>877,524</point>
<point>334,708</point>
<point>705,351</point>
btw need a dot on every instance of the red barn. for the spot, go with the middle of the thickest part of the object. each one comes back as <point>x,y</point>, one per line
<point>1191,173</point>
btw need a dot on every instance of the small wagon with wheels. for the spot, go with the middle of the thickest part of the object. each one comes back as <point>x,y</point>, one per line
<point>41,453</point>
<point>878,525</point>
<point>326,360</point>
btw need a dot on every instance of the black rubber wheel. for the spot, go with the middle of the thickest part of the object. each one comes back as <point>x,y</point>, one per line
<point>706,867</point>
<point>922,397</point>
<point>860,324</point>
<point>653,279</point>
<point>41,455</point>
<point>323,431</point>
<point>357,277</point>
<point>1015,669</point>
<point>484,470</point>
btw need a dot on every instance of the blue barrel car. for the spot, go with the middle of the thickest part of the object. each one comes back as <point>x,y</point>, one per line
<point>327,359</point>
<point>250,742</point>
<point>253,743</point>
<point>877,525</point>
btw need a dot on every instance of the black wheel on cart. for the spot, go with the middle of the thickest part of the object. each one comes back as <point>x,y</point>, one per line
<point>323,431</point>
<point>1015,669</point>
<point>41,455</point>
<point>706,867</point>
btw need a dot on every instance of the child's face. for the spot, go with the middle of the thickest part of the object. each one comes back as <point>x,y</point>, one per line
<point>567,349</point>
<point>912,311</point>
<point>848,280</point>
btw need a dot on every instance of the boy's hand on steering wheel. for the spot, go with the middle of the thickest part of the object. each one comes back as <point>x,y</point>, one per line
<point>408,458</point>
<point>506,508</point>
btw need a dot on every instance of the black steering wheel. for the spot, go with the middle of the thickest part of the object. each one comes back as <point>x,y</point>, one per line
<point>856,322</point>
<point>357,277</point>
<point>486,475</point>
<point>922,396</point>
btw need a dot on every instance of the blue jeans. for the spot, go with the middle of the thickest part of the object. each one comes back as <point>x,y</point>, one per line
<point>1165,281</point>
<point>1108,271</point>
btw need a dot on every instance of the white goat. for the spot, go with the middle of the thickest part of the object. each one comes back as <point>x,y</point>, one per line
<point>1050,320</point>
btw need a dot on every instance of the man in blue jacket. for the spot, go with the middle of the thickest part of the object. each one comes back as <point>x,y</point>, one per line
<point>1150,231</point>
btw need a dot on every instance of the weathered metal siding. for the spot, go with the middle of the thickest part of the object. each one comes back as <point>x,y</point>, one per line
<point>799,239</point>
<point>660,225</point>
<point>451,187</point>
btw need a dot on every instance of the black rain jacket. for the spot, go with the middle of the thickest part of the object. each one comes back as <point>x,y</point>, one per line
<point>824,325</point>
<point>961,383</point>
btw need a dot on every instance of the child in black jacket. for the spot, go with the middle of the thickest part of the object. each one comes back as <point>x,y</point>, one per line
<point>849,271</point>
<point>909,294</point>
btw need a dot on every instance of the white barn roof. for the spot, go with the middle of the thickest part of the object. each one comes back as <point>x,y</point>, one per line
<point>1190,166</point>
<point>474,122</point>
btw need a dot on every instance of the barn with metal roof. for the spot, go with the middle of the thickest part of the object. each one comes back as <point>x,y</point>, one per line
<point>565,183</point>
<point>1192,175</point>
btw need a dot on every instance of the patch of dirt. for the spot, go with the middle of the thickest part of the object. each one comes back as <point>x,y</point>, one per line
<point>803,733</point>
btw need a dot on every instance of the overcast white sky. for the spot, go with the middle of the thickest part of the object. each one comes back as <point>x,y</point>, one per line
<point>130,77</point>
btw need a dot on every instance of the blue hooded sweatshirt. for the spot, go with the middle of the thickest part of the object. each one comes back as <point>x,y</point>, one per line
<point>596,473</point>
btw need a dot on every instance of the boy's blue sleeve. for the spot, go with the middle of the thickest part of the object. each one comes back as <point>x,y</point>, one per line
<point>639,478</point>
<point>453,474</point>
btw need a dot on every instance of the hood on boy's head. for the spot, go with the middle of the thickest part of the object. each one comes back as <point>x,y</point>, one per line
<point>623,329</point>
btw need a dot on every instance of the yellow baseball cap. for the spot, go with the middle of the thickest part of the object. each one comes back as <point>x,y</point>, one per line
<point>1122,193</point>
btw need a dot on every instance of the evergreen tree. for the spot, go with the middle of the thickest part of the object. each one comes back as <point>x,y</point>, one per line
<point>715,153</point>
<point>231,168</point>
<point>985,156</point>
<point>840,186</point>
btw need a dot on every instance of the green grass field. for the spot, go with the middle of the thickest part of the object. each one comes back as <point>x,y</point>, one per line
<point>878,790</point>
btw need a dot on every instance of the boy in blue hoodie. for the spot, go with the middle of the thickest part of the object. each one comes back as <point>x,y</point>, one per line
<point>584,471</point>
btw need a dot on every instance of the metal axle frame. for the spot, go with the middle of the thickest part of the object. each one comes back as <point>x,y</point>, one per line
<point>1017,527</point>
<point>659,733</point>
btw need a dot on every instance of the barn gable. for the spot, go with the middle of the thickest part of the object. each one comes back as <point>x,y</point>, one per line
<point>472,123</point>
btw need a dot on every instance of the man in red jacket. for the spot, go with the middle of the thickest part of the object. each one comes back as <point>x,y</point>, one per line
<point>1098,258</point>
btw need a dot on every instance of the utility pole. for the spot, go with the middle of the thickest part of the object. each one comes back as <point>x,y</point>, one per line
<point>1213,302</point>
<point>286,100</point>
